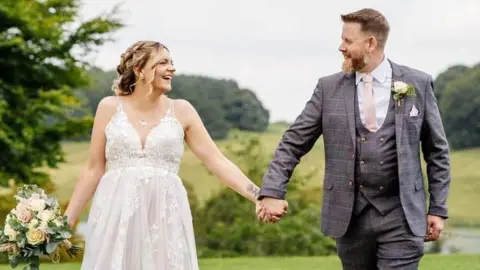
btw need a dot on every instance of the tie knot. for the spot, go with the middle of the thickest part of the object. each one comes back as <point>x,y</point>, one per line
<point>367,78</point>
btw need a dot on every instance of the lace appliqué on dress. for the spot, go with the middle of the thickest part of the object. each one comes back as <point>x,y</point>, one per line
<point>140,210</point>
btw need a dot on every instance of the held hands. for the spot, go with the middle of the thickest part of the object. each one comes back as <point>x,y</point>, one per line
<point>434,228</point>
<point>269,210</point>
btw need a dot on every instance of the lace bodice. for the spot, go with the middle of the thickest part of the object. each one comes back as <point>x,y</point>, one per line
<point>163,146</point>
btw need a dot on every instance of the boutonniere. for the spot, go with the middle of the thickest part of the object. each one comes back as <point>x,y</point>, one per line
<point>401,89</point>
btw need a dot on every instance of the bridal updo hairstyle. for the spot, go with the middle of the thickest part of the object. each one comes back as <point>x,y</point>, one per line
<point>136,55</point>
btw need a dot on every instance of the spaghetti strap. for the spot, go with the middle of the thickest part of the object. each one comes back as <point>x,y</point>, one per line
<point>119,105</point>
<point>171,107</point>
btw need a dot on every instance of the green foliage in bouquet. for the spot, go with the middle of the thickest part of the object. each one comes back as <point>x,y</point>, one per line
<point>35,228</point>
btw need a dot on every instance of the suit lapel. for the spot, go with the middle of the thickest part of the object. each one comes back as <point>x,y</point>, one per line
<point>348,88</point>
<point>397,75</point>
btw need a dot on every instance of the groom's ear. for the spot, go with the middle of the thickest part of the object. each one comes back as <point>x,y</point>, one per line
<point>372,44</point>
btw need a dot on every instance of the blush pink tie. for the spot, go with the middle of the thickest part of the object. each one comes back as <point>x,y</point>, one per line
<point>369,103</point>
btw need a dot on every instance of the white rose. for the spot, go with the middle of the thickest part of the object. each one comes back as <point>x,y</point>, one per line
<point>400,87</point>
<point>37,204</point>
<point>45,215</point>
<point>43,225</point>
<point>10,232</point>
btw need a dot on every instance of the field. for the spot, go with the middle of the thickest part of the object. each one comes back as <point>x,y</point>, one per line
<point>465,188</point>
<point>433,262</point>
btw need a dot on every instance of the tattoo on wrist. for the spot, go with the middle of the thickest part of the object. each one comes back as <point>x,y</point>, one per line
<point>253,190</point>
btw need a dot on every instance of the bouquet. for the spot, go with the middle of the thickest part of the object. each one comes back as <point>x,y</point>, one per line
<point>35,227</point>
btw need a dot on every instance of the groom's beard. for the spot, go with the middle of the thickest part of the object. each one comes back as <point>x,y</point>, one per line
<point>352,64</point>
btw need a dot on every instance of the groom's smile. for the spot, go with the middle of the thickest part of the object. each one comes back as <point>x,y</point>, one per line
<point>355,47</point>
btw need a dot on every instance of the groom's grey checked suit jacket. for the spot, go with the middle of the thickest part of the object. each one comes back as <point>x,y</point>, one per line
<point>330,112</point>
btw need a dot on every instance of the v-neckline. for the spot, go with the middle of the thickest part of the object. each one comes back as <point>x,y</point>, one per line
<point>138,135</point>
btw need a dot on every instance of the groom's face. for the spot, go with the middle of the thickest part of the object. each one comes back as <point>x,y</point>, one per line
<point>354,47</point>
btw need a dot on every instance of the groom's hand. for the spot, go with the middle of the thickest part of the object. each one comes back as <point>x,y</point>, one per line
<point>434,228</point>
<point>271,209</point>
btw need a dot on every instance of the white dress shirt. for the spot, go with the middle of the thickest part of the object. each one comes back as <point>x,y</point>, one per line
<point>382,90</point>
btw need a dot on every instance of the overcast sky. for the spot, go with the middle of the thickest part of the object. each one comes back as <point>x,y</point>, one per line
<point>279,49</point>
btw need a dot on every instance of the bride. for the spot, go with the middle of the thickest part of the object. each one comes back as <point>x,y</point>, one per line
<point>140,217</point>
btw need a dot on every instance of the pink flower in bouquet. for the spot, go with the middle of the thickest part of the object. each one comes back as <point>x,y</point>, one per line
<point>23,213</point>
<point>9,247</point>
<point>34,228</point>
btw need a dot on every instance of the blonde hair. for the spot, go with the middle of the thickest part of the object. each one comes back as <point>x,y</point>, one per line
<point>136,55</point>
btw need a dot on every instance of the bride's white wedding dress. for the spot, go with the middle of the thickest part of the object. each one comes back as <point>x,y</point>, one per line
<point>140,217</point>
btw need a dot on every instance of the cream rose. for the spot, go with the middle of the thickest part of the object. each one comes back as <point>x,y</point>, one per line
<point>400,87</point>
<point>35,236</point>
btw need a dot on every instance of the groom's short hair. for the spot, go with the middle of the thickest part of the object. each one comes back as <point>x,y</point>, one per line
<point>372,21</point>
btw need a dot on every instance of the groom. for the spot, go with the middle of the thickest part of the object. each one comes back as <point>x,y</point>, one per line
<point>374,202</point>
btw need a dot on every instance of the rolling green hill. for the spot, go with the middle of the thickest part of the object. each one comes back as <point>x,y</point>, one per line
<point>465,189</point>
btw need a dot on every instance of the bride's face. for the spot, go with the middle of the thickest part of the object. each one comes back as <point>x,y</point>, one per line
<point>355,47</point>
<point>159,70</point>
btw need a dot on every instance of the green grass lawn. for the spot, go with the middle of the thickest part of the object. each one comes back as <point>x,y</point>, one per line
<point>429,262</point>
<point>465,188</point>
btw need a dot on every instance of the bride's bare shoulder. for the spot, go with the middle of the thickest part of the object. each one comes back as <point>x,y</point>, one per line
<point>107,107</point>
<point>185,112</point>
<point>183,108</point>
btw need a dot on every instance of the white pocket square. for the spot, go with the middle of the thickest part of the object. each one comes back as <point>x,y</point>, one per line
<point>413,112</point>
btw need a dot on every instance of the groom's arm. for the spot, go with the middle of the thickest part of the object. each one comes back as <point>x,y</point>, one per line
<point>297,141</point>
<point>436,154</point>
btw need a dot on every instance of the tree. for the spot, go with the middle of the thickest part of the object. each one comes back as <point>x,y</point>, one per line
<point>246,112</point>
<point>42,45</point>
<point>445,77</point>
<point>460,109</point>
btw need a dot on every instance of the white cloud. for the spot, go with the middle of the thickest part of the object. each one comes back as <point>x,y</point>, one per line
<point>280,48</point>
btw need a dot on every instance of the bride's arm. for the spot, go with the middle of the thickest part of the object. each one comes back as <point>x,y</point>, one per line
<point>202,145</point>
<point>95,167</point>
